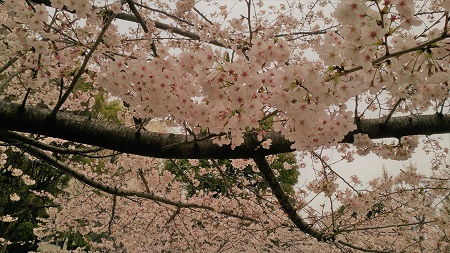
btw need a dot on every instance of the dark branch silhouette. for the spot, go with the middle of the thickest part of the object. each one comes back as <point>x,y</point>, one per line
<point>113,136</point>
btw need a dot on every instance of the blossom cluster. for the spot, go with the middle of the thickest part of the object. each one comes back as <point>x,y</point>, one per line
<point>231,76</point>
<point>401,151</point>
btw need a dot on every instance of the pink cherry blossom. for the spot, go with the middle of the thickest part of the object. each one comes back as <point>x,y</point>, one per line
<point>266,144</point>
<point>335,81</point>
<point>14,197</point>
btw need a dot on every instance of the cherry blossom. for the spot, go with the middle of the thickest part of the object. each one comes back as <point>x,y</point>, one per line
<point>250,81</point>
<point>16,172</point>
<point>14,197</point>
<point>266,144</point>
<point>8,218</point>
<point>27,180</point>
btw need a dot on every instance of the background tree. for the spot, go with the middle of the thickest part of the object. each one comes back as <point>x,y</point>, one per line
<point>19,200</point>
<point>221,175</point>
<point>235,83</point>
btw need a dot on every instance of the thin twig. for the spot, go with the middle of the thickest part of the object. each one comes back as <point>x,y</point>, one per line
<point>83,66</point>
<point>7,64</point>
<point>388,56</point>
<point>363,249</point>
<point>249,2</point>
<point>325,164</point>
<point>10,77</point>
<point>113,211</point>
<point>393,110</point>
<point>141,175</point>
<point>48,147</point>
<point>385,226</point>
<point>323,31</point>
<point>53,161</point>
<point>163,12</point>
<point>203,16</point>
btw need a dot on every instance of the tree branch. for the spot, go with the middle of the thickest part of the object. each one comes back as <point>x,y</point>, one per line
<point>113,211</point>
<point>113,136</point>
<point>398,53</point>
<point>10,77</point>
<point>363,249</point>
<point>80,71</point>
<point>49,147</point>
<point>141,174</point>
<point>53,161</point>
<point>8,64</point>
<point>284,201</point>
<point>291,212</point>
<point>384,226</point>
<point>159,25</point>
<point>137,15</point>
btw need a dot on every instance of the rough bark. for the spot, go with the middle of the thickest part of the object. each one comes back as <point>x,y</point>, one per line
<point>109,135</point>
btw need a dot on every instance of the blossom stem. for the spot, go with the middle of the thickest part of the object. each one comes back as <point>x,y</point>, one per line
<point>388,56</point>
<point>80,71</point>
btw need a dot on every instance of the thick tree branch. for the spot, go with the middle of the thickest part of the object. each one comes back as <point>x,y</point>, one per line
<point>291,212</point>
<point>116,137</point>
<point>284,201</point>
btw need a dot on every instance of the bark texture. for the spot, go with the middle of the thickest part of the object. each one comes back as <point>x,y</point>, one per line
<point>113,136</point>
